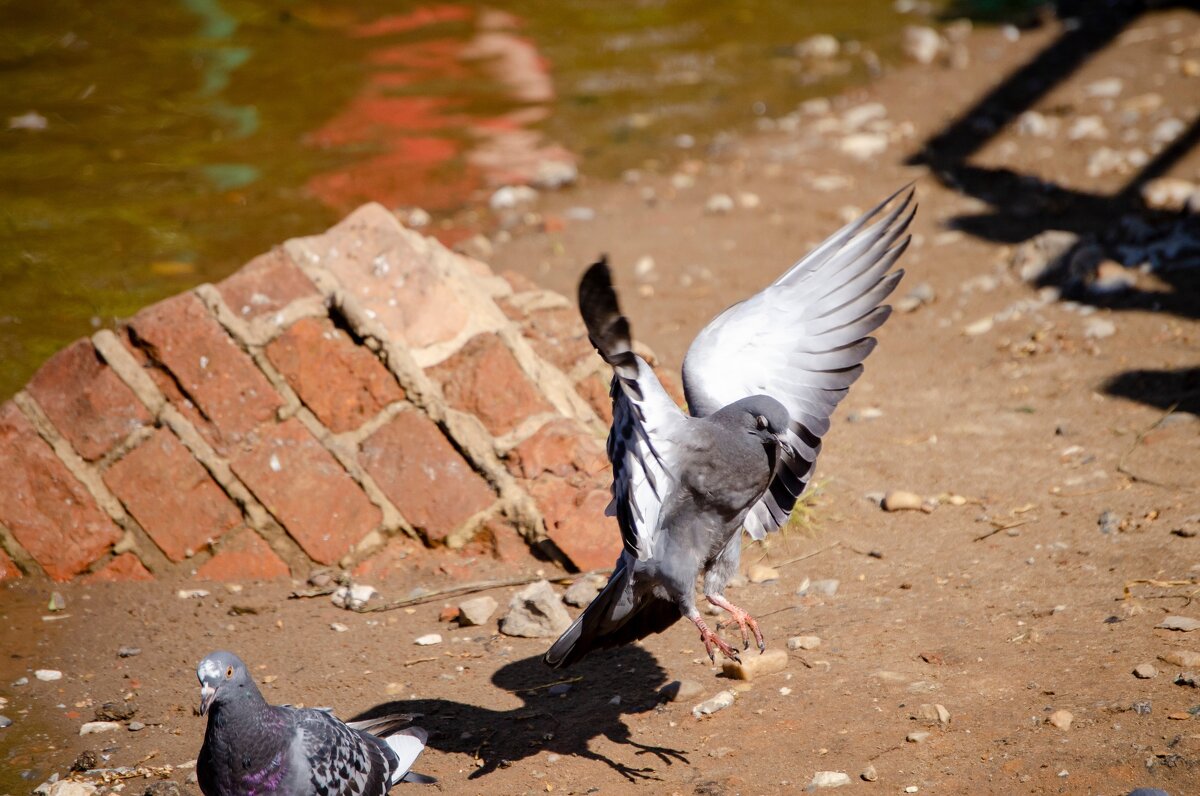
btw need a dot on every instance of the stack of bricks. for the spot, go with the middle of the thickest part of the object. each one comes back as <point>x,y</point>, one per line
<point>340,391</point>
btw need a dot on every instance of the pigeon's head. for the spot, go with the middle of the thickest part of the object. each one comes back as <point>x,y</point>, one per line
<point>765,418</point>
<point>222,677</point>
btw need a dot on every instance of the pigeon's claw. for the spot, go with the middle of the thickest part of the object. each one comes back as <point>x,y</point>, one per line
<point>713,642</point>
<point>745,622</point>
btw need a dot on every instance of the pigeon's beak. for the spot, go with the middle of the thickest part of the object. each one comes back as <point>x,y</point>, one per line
<point>207,693</point>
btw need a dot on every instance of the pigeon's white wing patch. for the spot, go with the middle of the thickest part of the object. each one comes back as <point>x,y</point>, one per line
<point>642,452</point>
<point>802,341</point>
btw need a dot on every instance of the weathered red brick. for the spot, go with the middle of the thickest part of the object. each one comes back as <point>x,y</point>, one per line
<point>391,271</point>
<point>420,471</point>
<point>484,379</point>
<point>595,389</point>
<point>558,336</point>
<point>307,490</point>
<point>171,495</point>
<point>575,521</point>
<point>87,402</point>
<point>125,567</point>
<point>50,513</point>
<point>244,557</point>
<point>562,447</point>
<point>504,542</point>
<point>342,383</point>
<point>266,284</point>
<point>8,569</point>
<point>216,375</point>
<point>402,555</point>
<point>518,282</point>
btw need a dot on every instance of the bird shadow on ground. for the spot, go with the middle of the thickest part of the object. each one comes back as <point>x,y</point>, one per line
<point>551,721</point>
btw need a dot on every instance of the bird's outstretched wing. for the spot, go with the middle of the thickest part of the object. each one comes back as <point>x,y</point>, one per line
<point>802,341</point>
<point>645,419</point>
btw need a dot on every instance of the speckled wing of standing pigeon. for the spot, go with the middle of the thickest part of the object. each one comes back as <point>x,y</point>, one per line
<point>252,748</point>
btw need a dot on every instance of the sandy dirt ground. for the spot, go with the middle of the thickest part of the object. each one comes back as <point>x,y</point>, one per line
<point>1058,439</point>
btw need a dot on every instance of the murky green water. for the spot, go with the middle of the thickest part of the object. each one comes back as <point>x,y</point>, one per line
<point>147,147</point>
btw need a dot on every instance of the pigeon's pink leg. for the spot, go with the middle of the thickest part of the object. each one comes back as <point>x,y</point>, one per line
<point>743,620</point>
<point>713,642</point>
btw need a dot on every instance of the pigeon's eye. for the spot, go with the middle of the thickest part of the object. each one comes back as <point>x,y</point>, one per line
<point>761,422</point>
<point>229,673</point>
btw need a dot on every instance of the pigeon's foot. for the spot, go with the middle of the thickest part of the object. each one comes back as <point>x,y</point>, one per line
<point>745,622</point>
<point>714,642</point>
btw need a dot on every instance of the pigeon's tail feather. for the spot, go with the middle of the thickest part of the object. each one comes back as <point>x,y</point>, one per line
<point>610,622</point>
<point>607,328</point>
<point>418,779</point>
<point>407,744</point>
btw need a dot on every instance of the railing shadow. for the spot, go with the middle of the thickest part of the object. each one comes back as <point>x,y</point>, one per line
<point>602,689</point>
<point>1117,226</point>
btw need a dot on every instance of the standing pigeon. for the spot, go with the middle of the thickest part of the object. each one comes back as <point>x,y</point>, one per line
<point>761,381</point>
<point>252,748</point>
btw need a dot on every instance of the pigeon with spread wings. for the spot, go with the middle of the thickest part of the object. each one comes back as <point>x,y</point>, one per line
<point>761,381</point>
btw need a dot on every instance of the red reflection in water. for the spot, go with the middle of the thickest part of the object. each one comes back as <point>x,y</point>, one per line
<point>428,150</point>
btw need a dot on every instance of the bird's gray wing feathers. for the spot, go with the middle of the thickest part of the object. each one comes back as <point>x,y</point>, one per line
<point>340,759</point>
<point>645,419</point>
<point>802,341</point>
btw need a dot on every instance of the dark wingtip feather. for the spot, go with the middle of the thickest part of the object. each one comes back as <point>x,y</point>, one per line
<point>607,328</point>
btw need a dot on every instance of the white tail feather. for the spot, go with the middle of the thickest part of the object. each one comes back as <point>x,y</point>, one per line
<point>407,744</point>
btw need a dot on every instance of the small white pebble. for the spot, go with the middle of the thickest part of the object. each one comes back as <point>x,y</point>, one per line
<point>428,640</point>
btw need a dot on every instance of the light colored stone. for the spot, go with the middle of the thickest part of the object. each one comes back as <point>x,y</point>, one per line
<point>428,640</point>
<point>1168,193</point>
<point>1098,328</point>
<point>48,675</point>
<point>69,787</point>
<point>510,196</point>
<point>338,627</point>
<point>1061,719</point>
<point>1041,253</point>
<point>476,612</point>
<point>93,727</point>
<point>753,666</point>
<point>826,587</point>
<point>935,713</point>
<point>681,690</point>
<point>1145,671</point>
<point>581,593</point>
<point>869,774</point>
<point>864,146</point>
<point>1111,277</point>
<point>761,573</point>
<point>981,326</point>
<point>922,44</point>
<point>1106,88</point>
<point>1036,125</point>
<point>861,115</point>
<point>902,500</point>
<point>717,703</point>
<point>1087,127</point>
<point>917,736</point>
<point>353,597</point>
<point>1185,624</point>
<point>1186,659</point>
<point>719,204</point>
<point>803,642</point>
<point>829,779</point>
<point>818,47</point>
<point>535,612</point>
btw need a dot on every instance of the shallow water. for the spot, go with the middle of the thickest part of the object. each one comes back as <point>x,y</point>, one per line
<point>148,147</point>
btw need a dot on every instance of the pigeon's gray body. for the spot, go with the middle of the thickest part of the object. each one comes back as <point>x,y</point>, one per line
<point>252,748</point>
<point>761,381</point>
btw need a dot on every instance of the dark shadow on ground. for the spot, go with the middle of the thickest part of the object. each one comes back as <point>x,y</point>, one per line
<point>1162,388</point>
<point>561,723</point>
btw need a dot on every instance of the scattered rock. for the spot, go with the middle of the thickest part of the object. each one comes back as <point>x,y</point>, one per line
<point>163,788</point>
<point>719,204</point>
<point>934,713</point>
<point>93,727</point>
<point>1087,127</point>
<point>803,642</point>
<point>449,613</point>
<point>1186,659</point>
<point>57,602</point>
<point>69,787</point>
<point>1107,88</point>
<point>861,115</point>
<point>1167,131</point>
<point>428,640</point>
<point>1185,624</point>
<point>353,597</point>
<point>748,200</point>
<point>5,721</point>
<point>476,612</point>
<point>559,689</point>
<point>770,662</point>
<point>1061,719</point>
<point>1188,528</point>
<point>681,690</point>
<point>1098,328</point>
<point>829,779</point>
<point>869,774</point>
<point>916,298</point>
<point>87,759</point>
<point>864,146</point>
<point>554,174</point>
<point>761,573</point>
<point>1186,678</point>
<point>981,326</point>
<point>1168,193</point>
<point>129,652</point>
<point>191,594</point>
<point>1036,125</point>
<point>901,500</point>
<point>1145,671</point>
<point>922,44</point>
<point>1041,254</point>
<point>116,711</point>
<point>338,627</point>
<point>510,196</point>
<point>535,612</point>
<point>135,726</point>
<point>27,121</point>
<point>1109,522</point>
<point>48,675</point>
<point>477,247</point>
<point>917,736</point>
<point>583,591</point>
<point>823,588</point>
<point>716,703</point>
<point>819,47</point>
